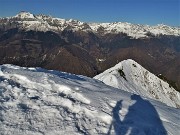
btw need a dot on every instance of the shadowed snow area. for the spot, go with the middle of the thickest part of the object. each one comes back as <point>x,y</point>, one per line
<point>131,121</point>
<point>35,101</point>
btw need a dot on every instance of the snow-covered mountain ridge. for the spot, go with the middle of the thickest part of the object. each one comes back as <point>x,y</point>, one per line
<point>128,75</point>
<point>35,101</point>
<point>28,21</point>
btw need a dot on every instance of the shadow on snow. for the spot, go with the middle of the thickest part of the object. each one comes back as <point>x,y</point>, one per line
<point>142,118</point>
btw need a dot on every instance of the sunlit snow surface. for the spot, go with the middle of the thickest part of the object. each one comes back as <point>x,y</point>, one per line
<point>34,101</point>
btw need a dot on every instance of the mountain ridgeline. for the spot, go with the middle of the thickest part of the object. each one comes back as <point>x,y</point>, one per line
<point>90,48</point>
<point>128,75</point>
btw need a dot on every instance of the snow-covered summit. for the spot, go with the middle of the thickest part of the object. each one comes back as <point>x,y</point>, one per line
<point>45,23</point>
<point>42,22</point>
<point>35,101</point>
<point>24,14</point>
<point>132,77</point>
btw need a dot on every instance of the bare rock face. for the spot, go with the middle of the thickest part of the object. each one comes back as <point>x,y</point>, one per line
<point>88,48</point>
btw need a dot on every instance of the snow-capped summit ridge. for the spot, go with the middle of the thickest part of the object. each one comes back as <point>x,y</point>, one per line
<point>132,77</point>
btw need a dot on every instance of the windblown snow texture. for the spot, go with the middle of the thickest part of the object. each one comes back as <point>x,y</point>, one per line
<point>35,101</point>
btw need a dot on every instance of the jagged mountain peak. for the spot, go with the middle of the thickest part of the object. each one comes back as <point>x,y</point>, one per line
<point>132,77</point>
<point>24,14</point>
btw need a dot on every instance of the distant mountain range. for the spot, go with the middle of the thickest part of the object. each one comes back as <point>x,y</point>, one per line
<point>89,48</point>
<point>28,21</point>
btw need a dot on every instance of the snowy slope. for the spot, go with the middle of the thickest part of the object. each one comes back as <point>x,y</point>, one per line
<point>28,21</point>
<point>34,101</point>
<point>138,80</point>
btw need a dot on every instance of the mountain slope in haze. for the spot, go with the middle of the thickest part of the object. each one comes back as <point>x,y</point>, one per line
<point>128,75</point>
<point>35,101</point>
<point>91,48</point>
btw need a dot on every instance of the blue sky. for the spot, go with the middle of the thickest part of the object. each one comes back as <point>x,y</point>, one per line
<point>150,12</point>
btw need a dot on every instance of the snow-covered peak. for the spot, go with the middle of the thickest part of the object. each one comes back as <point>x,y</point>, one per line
<point>132,77</point>
<point>24,14</point>
<point>35,101</point>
